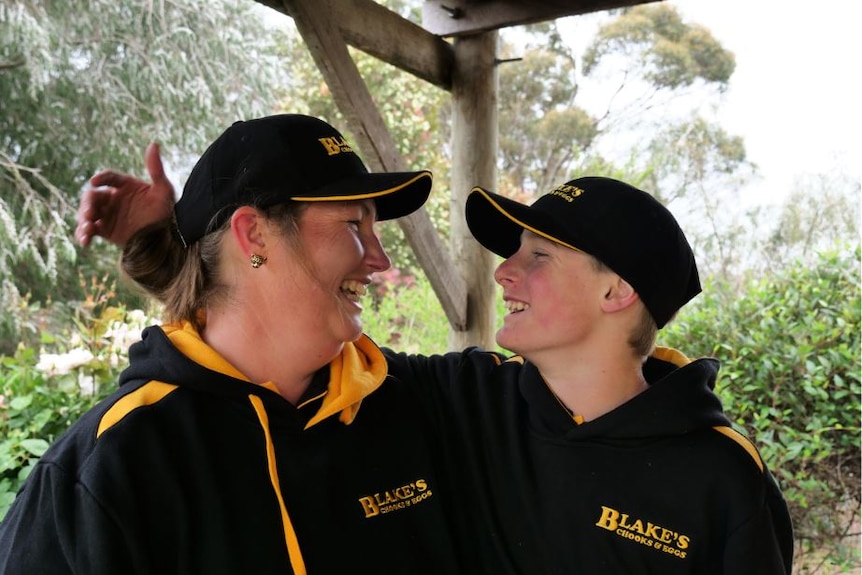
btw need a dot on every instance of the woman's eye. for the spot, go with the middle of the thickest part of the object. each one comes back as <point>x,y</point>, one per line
<point>354,224</point>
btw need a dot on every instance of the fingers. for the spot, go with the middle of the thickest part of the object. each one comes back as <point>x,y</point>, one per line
<point>87,215</point>
<point>84,233</point>
<point>109,178</point>
<point>153,162</point>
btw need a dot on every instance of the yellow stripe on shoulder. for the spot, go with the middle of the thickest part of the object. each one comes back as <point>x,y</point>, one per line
<point>148,394</point>
<point>743,441</point>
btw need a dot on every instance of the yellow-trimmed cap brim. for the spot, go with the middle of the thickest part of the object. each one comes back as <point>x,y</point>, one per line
<point>497,222</point>
<point>396,194</point>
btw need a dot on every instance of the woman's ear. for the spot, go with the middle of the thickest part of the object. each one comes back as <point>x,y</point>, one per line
<point>619,296</point>
<point>248,229</point>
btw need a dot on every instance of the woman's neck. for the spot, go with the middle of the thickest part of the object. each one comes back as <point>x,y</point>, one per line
<point>287,358</point>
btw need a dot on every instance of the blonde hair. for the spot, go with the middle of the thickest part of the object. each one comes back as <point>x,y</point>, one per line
<point>643,337</point>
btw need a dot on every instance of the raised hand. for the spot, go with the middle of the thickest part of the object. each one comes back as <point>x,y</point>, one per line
<point>116,205</point>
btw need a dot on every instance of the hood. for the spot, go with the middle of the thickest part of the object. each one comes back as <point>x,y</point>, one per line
<point>679,400</point>
<point>176,354</point>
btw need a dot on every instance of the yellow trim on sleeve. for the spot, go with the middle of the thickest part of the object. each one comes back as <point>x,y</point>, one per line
<point>293,551</point>
<point>743,441</point>
<point>148,394</point>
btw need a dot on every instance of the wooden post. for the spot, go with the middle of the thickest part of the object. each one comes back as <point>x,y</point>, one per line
<point>316,22</point>
<point>474,154</point>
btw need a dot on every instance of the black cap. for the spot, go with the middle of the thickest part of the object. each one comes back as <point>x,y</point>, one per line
<point>623,227</point>
<point>287,157</point>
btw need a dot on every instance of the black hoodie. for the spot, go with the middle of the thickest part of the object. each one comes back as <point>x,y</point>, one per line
<point>190,468</point>
<point>660,485</point>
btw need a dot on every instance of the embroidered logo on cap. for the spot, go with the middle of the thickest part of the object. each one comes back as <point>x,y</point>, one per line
<point>566,192</point>
<point>335,146</point>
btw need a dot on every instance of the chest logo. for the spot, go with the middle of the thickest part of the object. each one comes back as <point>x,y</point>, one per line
<point>396,499</point>
<point>646,533</point>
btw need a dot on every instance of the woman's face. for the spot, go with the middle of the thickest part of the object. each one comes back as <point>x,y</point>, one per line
<point>331,264</point>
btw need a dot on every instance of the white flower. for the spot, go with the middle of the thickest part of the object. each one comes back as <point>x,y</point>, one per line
<point>87,384</point>
<point>63,363</point>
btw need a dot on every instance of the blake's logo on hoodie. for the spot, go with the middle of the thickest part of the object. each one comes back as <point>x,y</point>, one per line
<point>644,532</point>
<point>395,499</point>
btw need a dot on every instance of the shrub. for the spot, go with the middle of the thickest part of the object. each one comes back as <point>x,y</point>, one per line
<point>43,392</point>
<point>790,379</point>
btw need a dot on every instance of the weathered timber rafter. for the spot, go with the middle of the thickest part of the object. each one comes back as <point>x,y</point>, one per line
<point>378,31</point>
<point>319,24</point>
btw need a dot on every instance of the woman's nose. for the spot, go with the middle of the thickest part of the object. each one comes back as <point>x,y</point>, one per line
<point>376,256</point>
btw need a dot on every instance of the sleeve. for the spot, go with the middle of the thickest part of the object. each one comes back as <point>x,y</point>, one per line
<point>763,545</point>
<point>443,382</point>
<point>56,527</point>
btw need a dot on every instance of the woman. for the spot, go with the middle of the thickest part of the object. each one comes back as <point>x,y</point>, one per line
<point>236,442</point>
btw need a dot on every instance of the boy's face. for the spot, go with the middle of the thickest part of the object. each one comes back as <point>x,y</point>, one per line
<point>553,296</point>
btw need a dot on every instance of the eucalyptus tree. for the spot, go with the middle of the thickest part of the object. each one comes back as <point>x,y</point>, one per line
<point>85,84</point>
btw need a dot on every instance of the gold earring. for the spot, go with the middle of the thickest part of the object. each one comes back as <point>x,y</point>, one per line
<point>257,261</point>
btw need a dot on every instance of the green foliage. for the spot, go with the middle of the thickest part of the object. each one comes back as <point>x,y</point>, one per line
<point>542,130</point>
<point>823,210</point>
<point>406,317</point>
<point>668,52</point>
<point>43,392</point>
<point>547,131</point>
<point>790,378</point>
<point>87,84</point>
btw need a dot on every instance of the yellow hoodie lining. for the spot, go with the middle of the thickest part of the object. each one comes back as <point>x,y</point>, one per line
<point>354,374</point>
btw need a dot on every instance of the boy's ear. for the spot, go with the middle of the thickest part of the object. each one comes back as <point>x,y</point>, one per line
<point>619,296</point>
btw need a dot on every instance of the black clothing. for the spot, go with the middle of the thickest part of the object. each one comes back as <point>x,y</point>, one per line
<point>188,468</point>
<point>660,485</point>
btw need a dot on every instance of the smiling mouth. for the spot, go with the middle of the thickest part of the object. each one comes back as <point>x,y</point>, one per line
<point>353,290</point>
<point>516,306</point>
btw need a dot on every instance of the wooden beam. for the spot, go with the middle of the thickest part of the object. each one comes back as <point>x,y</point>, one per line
<point>474,151</point>
<point>378,31</point>
<point>329,50</point>
<point>466,17</point>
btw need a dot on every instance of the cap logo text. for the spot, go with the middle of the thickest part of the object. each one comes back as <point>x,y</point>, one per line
<point>567,192</point>
<point>335,146</point>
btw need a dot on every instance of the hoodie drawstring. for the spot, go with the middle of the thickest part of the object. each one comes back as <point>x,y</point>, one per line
<point>293,552</point>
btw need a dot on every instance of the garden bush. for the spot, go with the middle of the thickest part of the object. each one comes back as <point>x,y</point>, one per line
<point>789,346</point>
<point>44,391</point>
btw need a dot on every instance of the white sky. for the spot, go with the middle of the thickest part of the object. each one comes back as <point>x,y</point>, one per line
<point>795,96</point>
